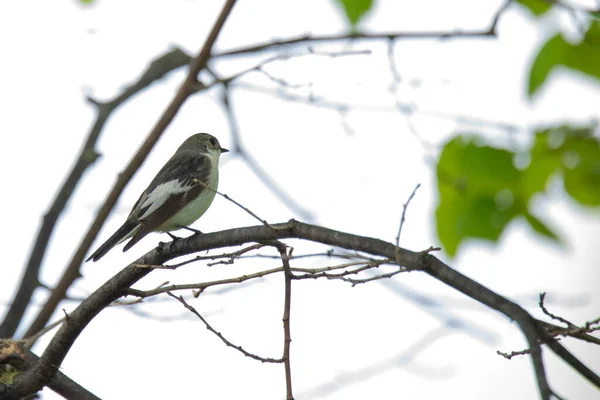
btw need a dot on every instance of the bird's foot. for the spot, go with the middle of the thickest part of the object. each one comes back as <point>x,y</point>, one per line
<point>173,237</point>
<point>195,231</point>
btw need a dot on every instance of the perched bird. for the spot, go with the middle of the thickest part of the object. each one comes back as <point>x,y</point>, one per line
<point>178,195</point>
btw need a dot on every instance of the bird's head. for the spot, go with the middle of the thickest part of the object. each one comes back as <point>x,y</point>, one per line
<point>204,143</point>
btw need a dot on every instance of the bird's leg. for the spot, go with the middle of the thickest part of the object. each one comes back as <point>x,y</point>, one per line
<point>187,228</point>
<point>173,237</point>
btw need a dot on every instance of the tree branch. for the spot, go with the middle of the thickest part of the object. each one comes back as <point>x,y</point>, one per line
<point>31,380</point>
<point>15,354</point>
<point>220,335</point>
<point>286,254</point>
<point>185,90</point>
<point>489,32</point>
<point>157,69</point>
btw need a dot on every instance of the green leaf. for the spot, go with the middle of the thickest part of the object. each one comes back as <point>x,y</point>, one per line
<point>536,7</point>
<point>541,228</point>
<point>470,217</point>
<point>583,57</point>
<point>581,159</point>
<point>545,160</point>
<point>355,9</point>
<point>550,54</point>
<point>477,169</point>
<point>86,1</point>
<point>479,189</point>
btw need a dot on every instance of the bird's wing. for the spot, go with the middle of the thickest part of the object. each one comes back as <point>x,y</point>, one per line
<point>180,181</point>
<point>169,208</point>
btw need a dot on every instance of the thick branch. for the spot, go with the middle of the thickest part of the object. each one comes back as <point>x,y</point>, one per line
<point>20,358</point>
<point>185,90</point>
<point>118,285</point>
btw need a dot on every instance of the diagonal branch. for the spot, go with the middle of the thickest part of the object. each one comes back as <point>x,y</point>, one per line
<point>185,90</point>
<point>157,69</point>
<point>15,354</point>
<point>253,164</point>
<point>220,335</point>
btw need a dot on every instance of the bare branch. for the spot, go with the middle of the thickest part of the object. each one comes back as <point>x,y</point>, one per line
<point>512,354</point>
<point>201,286</point>
<point>230,256</point>
<point>548,313</point>
<point>220,336</point>
<point>16,354</point>
<point>304,39</point>
<point>286,254</point>
<point>404,208</point>
<point>255,167</point>
<point>31,380</point>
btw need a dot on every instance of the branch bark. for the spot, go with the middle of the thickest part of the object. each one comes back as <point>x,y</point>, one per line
<point>20,358</point>
<point>44,370</point>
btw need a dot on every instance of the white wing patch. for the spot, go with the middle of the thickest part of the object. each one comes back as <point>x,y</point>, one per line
<point>161,194</point>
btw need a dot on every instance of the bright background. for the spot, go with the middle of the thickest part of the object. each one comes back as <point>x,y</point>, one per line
<point>409,337</point>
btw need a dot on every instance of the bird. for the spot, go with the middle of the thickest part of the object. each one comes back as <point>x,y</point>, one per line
<point>179,194</point>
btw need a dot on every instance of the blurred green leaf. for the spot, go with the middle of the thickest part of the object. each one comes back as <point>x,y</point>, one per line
<point>575,152</point>
<point>470,217</point>
<point>544,161</point>
<point>536,7</point>
<point>86,1</point>
<point>583,57</point>
<point>477,169</point>
<point>479,189</point>
<point>581,159</point>
<point>541,228</point>
<point>550,54</point>
<point>355,9</point>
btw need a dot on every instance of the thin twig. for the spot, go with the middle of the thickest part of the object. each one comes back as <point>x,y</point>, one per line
<point>200,287</point>
<point>512,354</point>
<point>231,256</point>
<point>548,313</point>
<point>28,342</point>
<point>287,337</point>
<point>285,198</point>
<point>404,208</point>
<point>220,336</point>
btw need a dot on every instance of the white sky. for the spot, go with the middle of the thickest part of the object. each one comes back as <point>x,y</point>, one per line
<point>348,343</point>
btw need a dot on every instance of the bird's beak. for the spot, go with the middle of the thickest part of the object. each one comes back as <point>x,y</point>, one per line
<point>224,150</point>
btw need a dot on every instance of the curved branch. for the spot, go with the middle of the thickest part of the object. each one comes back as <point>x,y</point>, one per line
<point>117,286</point>
<point>21,359</point>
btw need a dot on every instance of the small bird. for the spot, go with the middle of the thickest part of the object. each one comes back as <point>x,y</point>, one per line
<point>178,195</point>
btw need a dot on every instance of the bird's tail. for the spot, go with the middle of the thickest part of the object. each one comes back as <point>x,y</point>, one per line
<point>124,232</point>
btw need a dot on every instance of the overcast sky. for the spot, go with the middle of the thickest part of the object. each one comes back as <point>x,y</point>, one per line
<point>350,172</point>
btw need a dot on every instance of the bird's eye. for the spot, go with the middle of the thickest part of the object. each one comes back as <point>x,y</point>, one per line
<point>213,141</point>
